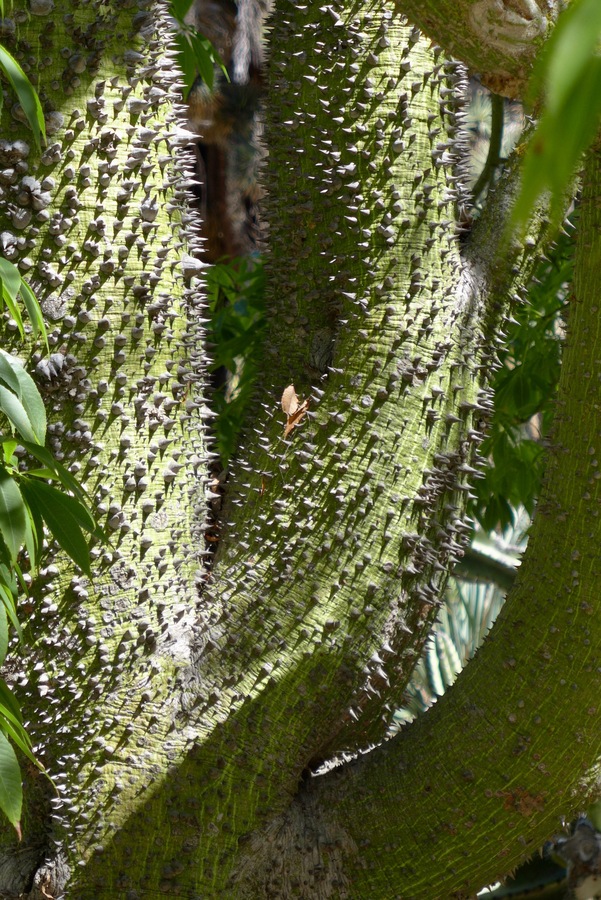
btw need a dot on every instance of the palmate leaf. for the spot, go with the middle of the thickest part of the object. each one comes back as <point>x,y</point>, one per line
<point>65,517</point>
<point>11,792</point>
<point>26,95</point>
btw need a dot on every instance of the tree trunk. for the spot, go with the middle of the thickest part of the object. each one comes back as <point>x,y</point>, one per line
<point>178,712</point>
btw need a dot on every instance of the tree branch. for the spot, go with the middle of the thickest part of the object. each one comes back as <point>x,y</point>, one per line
<point>488,767</point>
<point>498,39</point>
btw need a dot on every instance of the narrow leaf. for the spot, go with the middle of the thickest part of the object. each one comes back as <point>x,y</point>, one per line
<point>14,411</point>
<point>34,311</point>
<point>26,95</point>
<point>11,279</point>
<point>64,516</point>
<point>12,514</point>
<point>8,375</point>
<point>63,474</point>
<point>9,604</point>
<point>18,736</point>
<point>9,703</point>
<point>3,634</point>
<point>11,792</point>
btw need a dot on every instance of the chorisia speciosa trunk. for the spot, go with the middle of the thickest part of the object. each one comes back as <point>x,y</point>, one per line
<point>96,223</point>
<point>512,750</point>
<point>177,721</point>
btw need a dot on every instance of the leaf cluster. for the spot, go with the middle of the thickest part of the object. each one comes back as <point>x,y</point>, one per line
<point>524,387</point>
<point>236,297</point>
<point>33,497</point>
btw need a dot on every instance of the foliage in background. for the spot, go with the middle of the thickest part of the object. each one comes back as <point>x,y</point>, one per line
<point>568,81</point>
<point>236,297</point>
<point>42,495</point>
<point>195,53</point>
<point>524,387</point>
<point>470,608</point>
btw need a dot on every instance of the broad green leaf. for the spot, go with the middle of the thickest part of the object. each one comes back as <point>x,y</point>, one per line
<point>14,410</point>
<point>33,537</point>
<point>179,8</point>
<point>570,71</point>
<point>26,95</point>
<point>3,634</point>
<point>8,448</point>
<point>8,374</point>
<point>572,43</point>
<point>12,514</point>
<point>64,516</point>
<point>8,578</point>
<point>69,505</point>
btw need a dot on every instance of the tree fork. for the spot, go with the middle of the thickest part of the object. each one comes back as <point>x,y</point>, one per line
<point>477,784</point>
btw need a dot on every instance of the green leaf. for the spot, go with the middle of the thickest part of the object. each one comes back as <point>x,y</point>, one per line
<point>8,374</point>
<point>15,412</point>
<point>7,598</point>
<point>572,43</point>
<point>11,792</point>
<point>18,735</point>
<point>3,634</point>
<point>9,704</point>
<point>34,536</point>
<point>8,449</point>
<point>11,279</point>
<point>26,95</point>
<point>23,406</point>
<point>34,311</point>
<point>63,474</point>
<point>65,517</point>
<point>12,514</point>
<point>179,8</point>
<point>8,579</point>
<point>570,71</point>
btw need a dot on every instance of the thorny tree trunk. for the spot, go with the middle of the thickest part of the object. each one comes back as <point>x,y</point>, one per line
<point>178,727</point>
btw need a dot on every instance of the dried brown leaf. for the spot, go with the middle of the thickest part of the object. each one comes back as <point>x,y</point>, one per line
<point>296,417</point>
<point>290,402</point>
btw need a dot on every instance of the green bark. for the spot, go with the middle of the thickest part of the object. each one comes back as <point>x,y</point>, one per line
<point>477,784</point>
<point>99,233</point>
<point>181,726</point>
